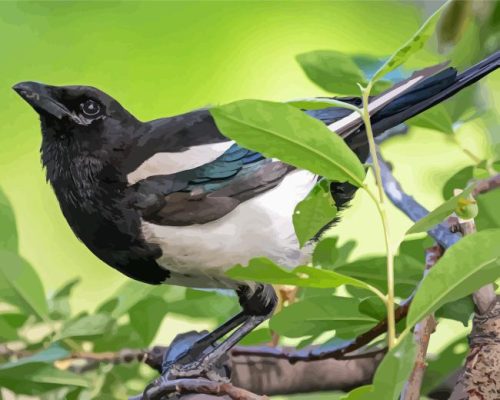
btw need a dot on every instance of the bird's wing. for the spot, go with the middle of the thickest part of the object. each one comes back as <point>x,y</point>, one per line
<point>208,192</point>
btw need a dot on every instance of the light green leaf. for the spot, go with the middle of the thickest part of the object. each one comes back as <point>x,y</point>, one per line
<point>439,214</point>
<point>436,118</point>
<point>86,326</point>
<point>281,131</point>
<point>8,229</point>
<point>203,304</point>
<point>394,370</point>
<point>266,271</point>
<point>465,267</point>
<point>147,316</point>
<point>21,286</point>
<point>411,46</point>
<point>333,71</point>
<point>360,393</point>
<point>320,104</point>
<point>314,212</point>
<point>316,315</point>
<point>7,331</point>
<point>128,295</point>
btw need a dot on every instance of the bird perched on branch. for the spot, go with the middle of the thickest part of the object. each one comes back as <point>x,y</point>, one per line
<point>173,201</point>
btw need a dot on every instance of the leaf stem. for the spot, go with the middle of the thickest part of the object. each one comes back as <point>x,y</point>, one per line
<point>380,203</point>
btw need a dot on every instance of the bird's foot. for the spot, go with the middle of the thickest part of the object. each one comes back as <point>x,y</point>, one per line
<point>187,360</point>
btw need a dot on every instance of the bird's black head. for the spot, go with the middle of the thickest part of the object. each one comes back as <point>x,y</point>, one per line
<point>86,134</point>
<point>71,110</point>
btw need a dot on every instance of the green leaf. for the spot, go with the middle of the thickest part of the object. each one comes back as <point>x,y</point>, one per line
<point>411,46</point>
<point>328,255</point>
<point>127,296</point>
<point>394,370</point>
<point>316,315</point>
<point>360,393</point>
<point>488,216</point>
<point>257,336</point>
<point>266,271</point>
<point>281,131</point>
<point>333,71</point>
<point>439,214</point>
<point>314,212</point>
<point>373,307</point>
<point>58,303</point>
<point>458,180</point>
<point>203,304</point>
<point>147,316</point>
<point>38,377</point>
<point>465,267</point>
<point>8,229</point>
<point>53,353</point>
<point>319,103</point>
<point>459,310</point>
<point>21,286</point>
<point>86,326</point>
<point>373,271</point>
<point>7,331</point>
<point>436,118</point>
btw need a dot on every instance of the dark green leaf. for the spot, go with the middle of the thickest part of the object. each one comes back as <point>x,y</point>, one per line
<point>314,212</point>
<point>264,270</point>
<point>408,272</point>
<point>7,331</point>
<point>440,213</point>
<point>458,310</point>
<point>459,180</point>
<point>413,45</point>
<point>436,118</point>
<point>316,315</point>
<point>284,132</point>
<point>465,267</point>
<point>328,255</point>
<point>86,326</point>
<point>333,71</point>
<point>21,286</point>
<point>373,307</point>
<point>8,229</point>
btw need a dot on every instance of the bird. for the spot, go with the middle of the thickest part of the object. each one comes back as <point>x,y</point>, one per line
<point>174,201</point>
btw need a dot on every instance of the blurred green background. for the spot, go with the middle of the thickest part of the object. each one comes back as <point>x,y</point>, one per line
<point>165,58</point>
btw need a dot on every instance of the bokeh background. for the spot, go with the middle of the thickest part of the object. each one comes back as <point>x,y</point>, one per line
<point>165,58</point>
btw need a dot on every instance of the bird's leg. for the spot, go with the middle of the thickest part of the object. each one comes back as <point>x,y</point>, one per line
<point>257,304</point>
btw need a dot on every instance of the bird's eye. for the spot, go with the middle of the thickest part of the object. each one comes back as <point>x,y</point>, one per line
<point>90,108</point>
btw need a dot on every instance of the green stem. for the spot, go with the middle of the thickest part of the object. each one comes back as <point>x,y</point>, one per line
<point>380,203</point>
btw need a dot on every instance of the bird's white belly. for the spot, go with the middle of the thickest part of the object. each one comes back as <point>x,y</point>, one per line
<point>198,255</point>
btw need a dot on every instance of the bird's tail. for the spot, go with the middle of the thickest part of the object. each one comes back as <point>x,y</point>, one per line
<point>431,91</point>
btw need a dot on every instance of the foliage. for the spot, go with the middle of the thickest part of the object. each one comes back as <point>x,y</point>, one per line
<point>46,328</point>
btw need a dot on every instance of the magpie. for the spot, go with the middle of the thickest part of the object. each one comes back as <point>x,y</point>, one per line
<point>174,201</point>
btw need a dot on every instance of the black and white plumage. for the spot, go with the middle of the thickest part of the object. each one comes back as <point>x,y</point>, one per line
<point>174,201</point>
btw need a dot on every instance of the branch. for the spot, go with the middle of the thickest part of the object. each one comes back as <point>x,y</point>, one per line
<point>422,335</point>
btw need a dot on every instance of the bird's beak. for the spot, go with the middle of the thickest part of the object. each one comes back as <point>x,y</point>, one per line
<point>41,98</point>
